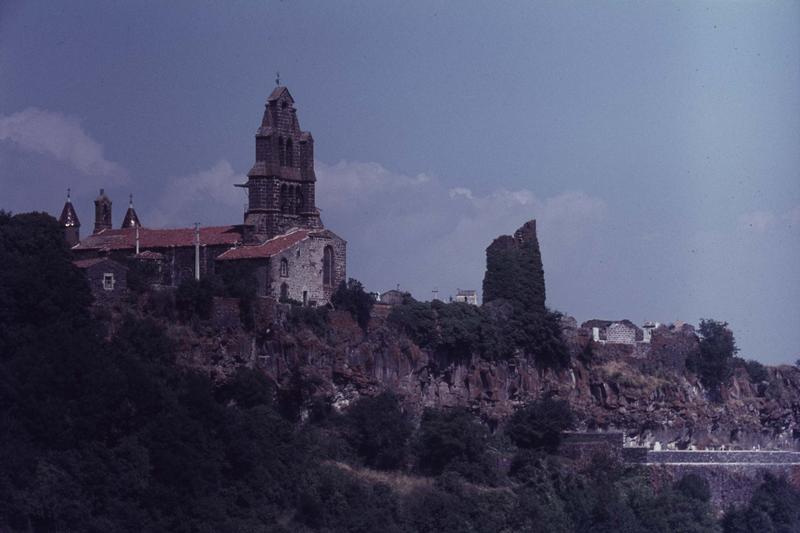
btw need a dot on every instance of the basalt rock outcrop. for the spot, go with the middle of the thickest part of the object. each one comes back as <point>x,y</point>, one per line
<point>649,396</point>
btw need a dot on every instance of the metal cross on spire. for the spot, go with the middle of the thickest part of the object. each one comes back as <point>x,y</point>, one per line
<point>130,200</point>
<point>69,194</point>
<point>277,78</point>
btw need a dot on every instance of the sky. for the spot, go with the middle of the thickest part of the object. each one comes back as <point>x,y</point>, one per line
<point>656,143</point>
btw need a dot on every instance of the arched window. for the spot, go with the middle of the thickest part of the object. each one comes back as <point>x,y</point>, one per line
<point>327,266</point>
<point>284,291</point>
<point>284,268</point>
<point>298,200</point>
<point>289,153</point>
<point>282,151</point>
<point>284,198</point>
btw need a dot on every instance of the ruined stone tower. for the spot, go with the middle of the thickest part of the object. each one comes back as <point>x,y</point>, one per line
<point>281,183</point>
<point>514,269</point>
<point>102,212</point>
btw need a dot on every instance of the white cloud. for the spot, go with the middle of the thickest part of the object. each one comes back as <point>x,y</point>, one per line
<point>208,197</point>
<point>61,137</point>
<point>415,231</point>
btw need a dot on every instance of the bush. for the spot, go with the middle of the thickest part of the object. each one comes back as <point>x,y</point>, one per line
<point>539,424</point>
<point>247,388</point>
<point>196,298</point>
<point>351,297</point>
<point>453,440</point>
<point>694,486</point>
<point>314,318</point>
<point>774,507</point>
<point>757,372</point>
<point>417,320</point>
<point>378,429</point>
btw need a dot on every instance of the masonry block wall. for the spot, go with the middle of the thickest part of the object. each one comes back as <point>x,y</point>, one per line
<point>620,333</point>
<point>302,279</point>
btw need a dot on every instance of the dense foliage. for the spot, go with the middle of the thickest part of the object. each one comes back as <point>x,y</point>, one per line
<point>108,434</point>
<point>351,297</point>
<point>494,331</point>
<point>539,424</point>
<point>714,361</point>
<point>773,508</point>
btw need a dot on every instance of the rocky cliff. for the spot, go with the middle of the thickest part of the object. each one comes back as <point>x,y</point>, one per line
<point>641,389</point>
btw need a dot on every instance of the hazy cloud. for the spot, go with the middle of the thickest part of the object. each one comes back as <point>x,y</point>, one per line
<point>207,196</point>
<point>60,137</point>
<point>792,217</point>
<point>759,221</point>
<point>409,229</point>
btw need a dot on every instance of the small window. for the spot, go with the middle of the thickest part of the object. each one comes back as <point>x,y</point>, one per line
<point>284,268</point>
<point>108,281</point>
<point>305,297</point>
<point>284,292</point>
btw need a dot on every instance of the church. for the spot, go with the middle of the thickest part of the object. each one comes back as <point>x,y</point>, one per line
<point>281,241</point>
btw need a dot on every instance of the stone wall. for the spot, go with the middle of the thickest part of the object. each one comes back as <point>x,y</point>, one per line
<point>732,485</point>
<point>620,333</point>
<point>304,279</point>
<point>725,456</point>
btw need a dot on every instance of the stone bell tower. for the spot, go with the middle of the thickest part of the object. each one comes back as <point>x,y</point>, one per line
<point>281,184</point>
<point>102,212</point>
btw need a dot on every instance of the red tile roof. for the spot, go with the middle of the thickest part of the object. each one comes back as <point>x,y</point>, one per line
<point>122,239</point>
<point>271,247</point>
<point>147,254</point>
<point>86,263</point>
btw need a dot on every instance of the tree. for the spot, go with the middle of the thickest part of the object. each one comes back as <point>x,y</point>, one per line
<point>453,440</point>
<point>713,361</point>
<point>539,424</point>
<point>378,429</point>
<point>351,297</point>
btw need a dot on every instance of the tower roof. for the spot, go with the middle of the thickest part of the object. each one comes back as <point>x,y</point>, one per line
<point>69,218</point>
<point>277,92</point>
<point>131,219</point>
<point>102,197</point>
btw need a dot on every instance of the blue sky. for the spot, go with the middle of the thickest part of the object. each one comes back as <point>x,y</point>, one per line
<point>655,142</point>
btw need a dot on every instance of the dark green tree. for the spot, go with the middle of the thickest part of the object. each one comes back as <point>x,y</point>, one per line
<point>713,361</point>
<point>539,424</point>
<point>454,440</point>
<point>351,297</point>
<point>378,429</point>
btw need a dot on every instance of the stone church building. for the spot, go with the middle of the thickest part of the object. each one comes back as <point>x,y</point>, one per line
<point>282,240</point>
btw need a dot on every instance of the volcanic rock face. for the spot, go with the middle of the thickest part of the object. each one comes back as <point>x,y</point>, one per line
<point>643,391</point>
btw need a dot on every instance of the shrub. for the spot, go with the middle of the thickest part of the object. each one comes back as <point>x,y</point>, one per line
<point>196,298</point>
<point>756,371</point>
<point>314,318</point>
<point>417,320</point>
<point>453,440</point>
<point>247,388</point>
<point>694,486</point>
